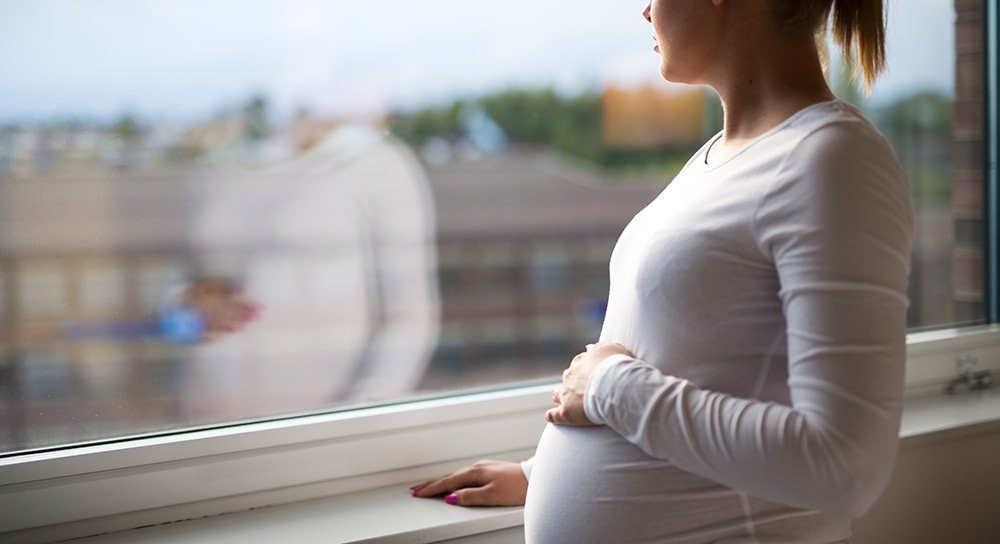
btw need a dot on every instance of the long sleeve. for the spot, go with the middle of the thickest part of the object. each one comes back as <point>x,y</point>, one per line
<point>837,224</point>
<point>526,467</point>
<point>403,281</point>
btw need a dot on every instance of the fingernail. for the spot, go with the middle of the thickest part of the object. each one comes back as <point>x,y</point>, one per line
<point>451,499</point>
<point>416,491</point>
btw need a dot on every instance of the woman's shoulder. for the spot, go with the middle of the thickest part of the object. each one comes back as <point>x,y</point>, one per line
<point>839,174</point>
<point>837,126</point>
<point>834,154</point>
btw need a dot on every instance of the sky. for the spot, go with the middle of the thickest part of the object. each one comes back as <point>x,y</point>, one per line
<point>186,60</point>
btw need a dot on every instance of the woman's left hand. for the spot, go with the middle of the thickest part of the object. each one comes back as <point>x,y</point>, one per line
<point>569,395</point>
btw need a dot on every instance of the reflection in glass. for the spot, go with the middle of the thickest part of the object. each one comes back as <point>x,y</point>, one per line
<point>327,295</point>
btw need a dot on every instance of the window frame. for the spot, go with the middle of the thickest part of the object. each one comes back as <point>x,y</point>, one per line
<point>991,130</point>
<point>158,479</point>
<point>203,472</point>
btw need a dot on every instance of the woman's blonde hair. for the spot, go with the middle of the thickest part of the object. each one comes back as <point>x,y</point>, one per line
<point>858,27</point>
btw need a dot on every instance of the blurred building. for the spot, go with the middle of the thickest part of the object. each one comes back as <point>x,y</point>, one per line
<point>524,241</point>
<point>523,245</point>
<point>968,172</point>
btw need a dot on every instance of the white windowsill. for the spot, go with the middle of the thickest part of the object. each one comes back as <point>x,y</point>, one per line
<point>386,516</point>
<point>390,516</point>
<point>364,457</point>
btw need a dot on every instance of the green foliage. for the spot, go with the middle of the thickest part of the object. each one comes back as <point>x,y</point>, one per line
<point>569,124</point>
<point>918,126</point>
<point>255,115</point>
<point>417,128</point>
<point>926,112</point>
<point>920,130</point>
<point>126,128</point>
<point>539,117</point>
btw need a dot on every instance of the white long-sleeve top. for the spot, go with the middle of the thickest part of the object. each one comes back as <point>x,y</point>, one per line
<point>764,299</point>
<point>335,246</point>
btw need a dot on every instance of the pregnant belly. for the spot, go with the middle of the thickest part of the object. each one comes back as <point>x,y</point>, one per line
<point>591,485</point>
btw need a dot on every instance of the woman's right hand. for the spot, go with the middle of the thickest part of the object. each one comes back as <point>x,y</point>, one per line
<point>222,306</point>
<point>485,483</point>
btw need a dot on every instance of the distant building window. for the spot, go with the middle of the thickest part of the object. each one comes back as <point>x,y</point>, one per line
<point>47,380</point>
<point>42,290</point>
<point>156,279</point>
<point>102,289</point>
<point>105,371</point>
<point>550,269</point>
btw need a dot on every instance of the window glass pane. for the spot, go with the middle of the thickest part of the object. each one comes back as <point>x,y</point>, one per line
<point>930,107</point>
<point>3,294</point>
<point>158,278</point>
<point>333,203</point>
<point>104,370</point>
<point>42,290</point>
<point>102,288</point>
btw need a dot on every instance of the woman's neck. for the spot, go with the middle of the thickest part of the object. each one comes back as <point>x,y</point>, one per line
<point>763,85</point>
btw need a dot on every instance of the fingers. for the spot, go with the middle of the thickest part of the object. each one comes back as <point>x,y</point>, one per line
<point>436,487</point>
<point>474,496</point>
<point>556,415</point>
<point>573,416</point>
<point>225,316</point>
<point>456,493</point>
<point>560,416</point>
<point>417,488</point>
<point>467,477</point>
<point>467,496</point>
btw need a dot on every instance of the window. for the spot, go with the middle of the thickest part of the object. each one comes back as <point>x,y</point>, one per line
<point>154,209</point>
<point>228,232</point>
<point>102,288</point>
<point>42,289</point>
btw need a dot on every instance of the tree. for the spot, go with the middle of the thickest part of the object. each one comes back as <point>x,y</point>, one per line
<point>255,116</point>
<point>127,128</point>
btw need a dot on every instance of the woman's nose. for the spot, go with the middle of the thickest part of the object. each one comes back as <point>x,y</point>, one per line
<point>645,12</point>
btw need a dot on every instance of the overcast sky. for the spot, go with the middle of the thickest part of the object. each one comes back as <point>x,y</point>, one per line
<point>189,59</point>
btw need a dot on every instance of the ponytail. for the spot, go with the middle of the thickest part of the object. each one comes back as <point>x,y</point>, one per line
<point>859,29</point>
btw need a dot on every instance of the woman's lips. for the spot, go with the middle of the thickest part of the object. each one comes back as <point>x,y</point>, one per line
<point>656,45</point>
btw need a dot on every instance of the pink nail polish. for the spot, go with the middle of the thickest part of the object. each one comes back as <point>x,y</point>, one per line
<point>451,499</point>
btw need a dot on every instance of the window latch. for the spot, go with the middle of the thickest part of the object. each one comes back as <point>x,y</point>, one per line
<point>969,379</point>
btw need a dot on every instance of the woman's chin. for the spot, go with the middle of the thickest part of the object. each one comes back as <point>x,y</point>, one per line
<point>671,74</point>
<point>667,70</point>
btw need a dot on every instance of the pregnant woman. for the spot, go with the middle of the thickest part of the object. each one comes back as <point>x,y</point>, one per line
<point>747,384</point>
